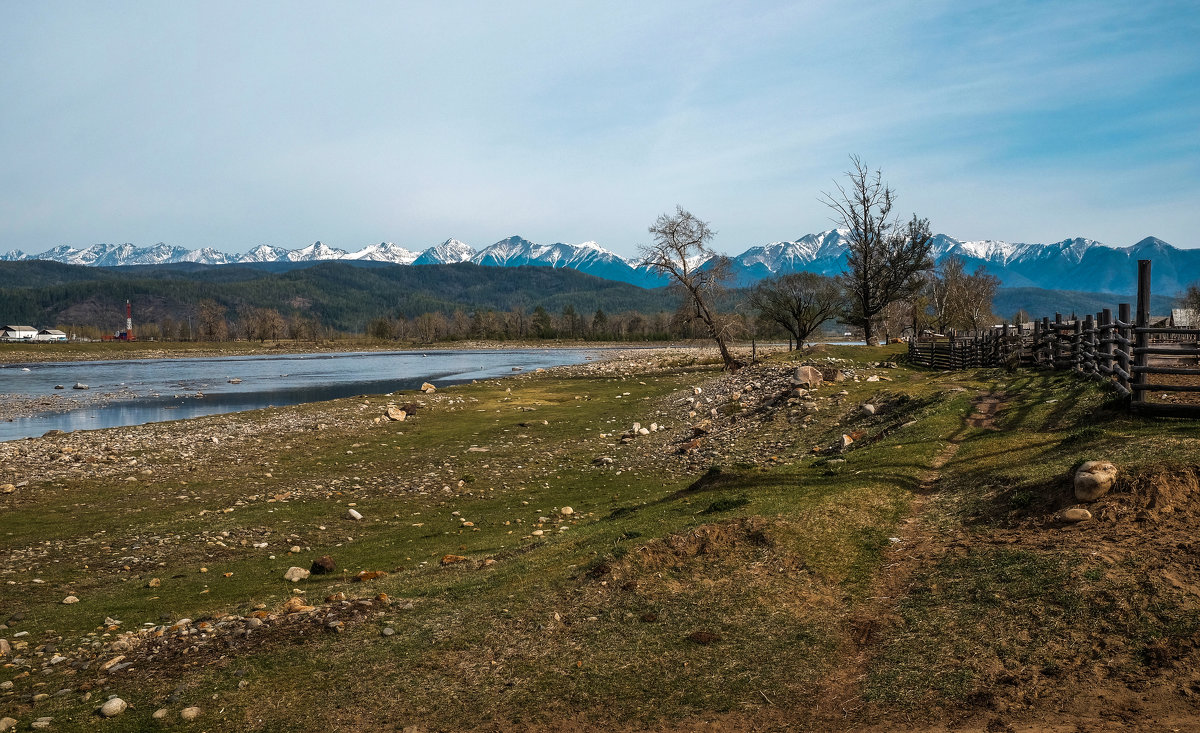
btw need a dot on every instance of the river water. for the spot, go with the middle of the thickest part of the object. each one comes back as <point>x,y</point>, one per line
<point>133,392</point>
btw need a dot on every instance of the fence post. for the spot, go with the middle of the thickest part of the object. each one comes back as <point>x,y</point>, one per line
<point>1058,357</point>
<point>1077,346</point>
<point>1089,345</point>
<point>1126,333</point>
<point>1141,339</point>
<point>1106,342</point>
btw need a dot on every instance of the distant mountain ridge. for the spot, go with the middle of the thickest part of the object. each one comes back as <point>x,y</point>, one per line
<point>1071,264</point>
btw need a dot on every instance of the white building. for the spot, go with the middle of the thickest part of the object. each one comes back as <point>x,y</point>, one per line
<point>50,334</point>
<point>18,333</point>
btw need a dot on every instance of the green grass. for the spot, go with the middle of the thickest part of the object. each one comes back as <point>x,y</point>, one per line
<point>596,624</point>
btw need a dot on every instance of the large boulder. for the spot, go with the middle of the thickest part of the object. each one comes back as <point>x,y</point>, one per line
<point>1094,479</point>
<point>807,376</point>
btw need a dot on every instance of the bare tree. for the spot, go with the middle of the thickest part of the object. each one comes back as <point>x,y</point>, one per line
<point>885,260</point>
<point>681,246</point>
<point>959,300</point>
<point>213,326</point>
<point>1191,297</point>
<point>799,302</point>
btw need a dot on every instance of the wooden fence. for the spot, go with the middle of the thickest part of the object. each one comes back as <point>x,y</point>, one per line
<point>1140,361</point>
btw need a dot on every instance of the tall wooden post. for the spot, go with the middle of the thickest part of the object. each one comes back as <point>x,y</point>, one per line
<point>1077,346</point>
<point>1089,345</point>
<point>1124,317</point>
<point>1141,337</point>
<point>1106,343</point>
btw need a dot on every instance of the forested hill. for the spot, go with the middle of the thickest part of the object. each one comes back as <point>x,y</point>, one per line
<point>335,294</point>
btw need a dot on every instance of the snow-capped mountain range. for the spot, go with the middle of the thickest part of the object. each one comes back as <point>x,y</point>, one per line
<point>1072,264</point>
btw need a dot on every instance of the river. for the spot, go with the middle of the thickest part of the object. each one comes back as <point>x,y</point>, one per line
<point>133,392</point>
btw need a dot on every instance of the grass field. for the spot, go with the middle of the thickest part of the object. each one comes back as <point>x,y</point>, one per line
<point>919,576</point>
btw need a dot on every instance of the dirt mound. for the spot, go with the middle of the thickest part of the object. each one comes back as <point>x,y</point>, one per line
<point>705,540</point>
<point>1152,491</point>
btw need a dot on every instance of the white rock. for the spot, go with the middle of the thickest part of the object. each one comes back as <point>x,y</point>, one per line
<point>70,599</point>
<point>295,574</point>
<point>1094,479</point>
<point>868,409</point>
<point>567,510</point>
<point>160,714</point>
<point>8,723</point>
<point>1075,514</point>
<point>190,714</point>
<point>353,514</point>
<point>113,707</point>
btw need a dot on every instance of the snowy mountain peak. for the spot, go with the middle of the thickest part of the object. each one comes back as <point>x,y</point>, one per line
<point>316,251</point>
<point>263,253</point>
<point>449,252</point>
<point>383,252</point>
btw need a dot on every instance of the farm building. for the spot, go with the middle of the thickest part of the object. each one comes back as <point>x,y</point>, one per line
<point>50,334</point>
<point>18,333</point>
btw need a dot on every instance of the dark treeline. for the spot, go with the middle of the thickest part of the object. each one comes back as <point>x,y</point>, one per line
<point>325,301</point>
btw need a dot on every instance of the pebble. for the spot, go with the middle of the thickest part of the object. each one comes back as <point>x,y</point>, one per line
<point>160,714</point>
<point>7,723</point>
<point>388,631</point>
<point>567,510</point>
<point>69,600</point>
<point>190,714</point>
<point>113,707</point>
<point>295,574</point>
<point>353,514</point>
<point>1075,514</point>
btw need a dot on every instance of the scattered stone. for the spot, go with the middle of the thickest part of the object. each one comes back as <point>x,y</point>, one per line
<point>69,600</point>
<point>80,385</point>
<point>153,583</point>
<point>41,723</point>
<point>567,510</point>
<point>846,442</point>
<point>160,714</point>
<point>428,388</point>
<point>388,631</point>
<point>395,413</point>
<point>190,714</point>
<point>1094,479</point>
<point>7,488</point>
<point>807,376</point>
<point>113,707</point>
<point>452,559</point>
<point>323,565</point>
<point>702,428</point>
<point>5,648</point>
<point>354,514</point>
<point>868,409</point>
<point>365,575</point>
<point>112,663</point>
<point>7,723</point>
<point>294,549</point>
<point>1075,514</point>
<point>295,604</point>
<point>295,574</point>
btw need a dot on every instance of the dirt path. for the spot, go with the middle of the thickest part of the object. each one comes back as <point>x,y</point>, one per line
<point>840,701</point>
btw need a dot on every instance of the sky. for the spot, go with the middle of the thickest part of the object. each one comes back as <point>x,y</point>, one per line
<point>230,124</point>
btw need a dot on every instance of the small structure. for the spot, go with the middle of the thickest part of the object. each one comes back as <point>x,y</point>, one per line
<point>18,333</point>
<point>50,334</point>
<point>1185,318</point>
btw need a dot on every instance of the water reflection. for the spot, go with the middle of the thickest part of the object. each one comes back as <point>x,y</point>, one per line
<point>155,390</point>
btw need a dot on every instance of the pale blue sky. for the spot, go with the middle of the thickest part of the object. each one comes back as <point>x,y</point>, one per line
<point>235,124</point>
